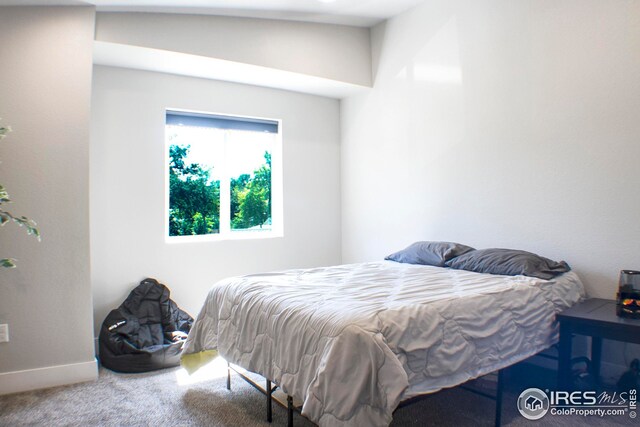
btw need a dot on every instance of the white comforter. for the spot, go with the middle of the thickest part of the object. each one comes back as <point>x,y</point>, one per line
<point>352,341</point>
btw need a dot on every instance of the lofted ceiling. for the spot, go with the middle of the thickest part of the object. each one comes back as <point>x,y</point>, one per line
<point>364,13</point>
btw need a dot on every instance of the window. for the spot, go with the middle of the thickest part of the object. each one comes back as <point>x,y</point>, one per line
<point>224,176</point>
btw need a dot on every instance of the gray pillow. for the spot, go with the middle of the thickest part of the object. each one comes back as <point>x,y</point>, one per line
<point>509,262</point>
<point>429,253</point>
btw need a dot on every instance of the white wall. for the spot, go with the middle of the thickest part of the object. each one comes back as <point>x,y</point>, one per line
<point>501,124</point>
<point>128,184</point>
<point>336,52</point>
<point>45,90</point>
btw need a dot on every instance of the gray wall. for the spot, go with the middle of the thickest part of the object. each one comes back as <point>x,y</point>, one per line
<point>128,186</point>
<point>45,94</point>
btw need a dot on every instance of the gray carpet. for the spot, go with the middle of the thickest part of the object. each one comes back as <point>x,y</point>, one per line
<point>156,399</point>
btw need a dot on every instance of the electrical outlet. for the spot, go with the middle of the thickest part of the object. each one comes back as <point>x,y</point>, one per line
<point>4,333</point>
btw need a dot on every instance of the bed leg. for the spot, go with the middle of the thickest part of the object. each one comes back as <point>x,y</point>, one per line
<point>499,390</point>
<point>269,407</point>
<point>289,411</point>
<point>228,376</point>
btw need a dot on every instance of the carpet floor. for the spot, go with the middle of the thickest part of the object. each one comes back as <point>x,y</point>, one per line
<point>158,399</point>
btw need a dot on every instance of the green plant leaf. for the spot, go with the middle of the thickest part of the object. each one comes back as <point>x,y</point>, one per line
<point>4,196</point>
<point>8,263</point>
<point>5,216</point>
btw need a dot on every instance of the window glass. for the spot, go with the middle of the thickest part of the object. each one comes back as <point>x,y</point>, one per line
<point>220,175</point>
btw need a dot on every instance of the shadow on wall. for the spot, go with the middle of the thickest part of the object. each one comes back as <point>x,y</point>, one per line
<point>419,96</point>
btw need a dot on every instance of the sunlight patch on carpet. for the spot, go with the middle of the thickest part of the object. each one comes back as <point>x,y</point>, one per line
<point>217,368</point>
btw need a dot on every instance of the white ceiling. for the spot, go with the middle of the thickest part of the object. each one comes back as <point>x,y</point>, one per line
<point>363,13</point>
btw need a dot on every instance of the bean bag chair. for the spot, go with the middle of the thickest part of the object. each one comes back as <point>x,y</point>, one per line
<point>146,332</point>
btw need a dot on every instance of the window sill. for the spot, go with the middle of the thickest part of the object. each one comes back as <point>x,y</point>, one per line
<point>240,235</point>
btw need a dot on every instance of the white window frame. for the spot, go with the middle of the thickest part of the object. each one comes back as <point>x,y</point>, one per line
<point>225,232</point>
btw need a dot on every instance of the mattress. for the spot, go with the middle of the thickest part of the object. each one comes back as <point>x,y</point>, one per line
<point>352,341</point>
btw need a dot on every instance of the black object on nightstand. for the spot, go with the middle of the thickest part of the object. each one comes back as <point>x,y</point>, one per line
<point>595,318</point>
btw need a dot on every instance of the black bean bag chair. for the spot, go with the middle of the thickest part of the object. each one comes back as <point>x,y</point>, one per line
<point>146,332</point>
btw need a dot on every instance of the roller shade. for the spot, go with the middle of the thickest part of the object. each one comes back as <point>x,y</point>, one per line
<point>221,122</point>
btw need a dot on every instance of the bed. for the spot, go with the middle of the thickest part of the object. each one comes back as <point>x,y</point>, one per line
<point>353,341</point>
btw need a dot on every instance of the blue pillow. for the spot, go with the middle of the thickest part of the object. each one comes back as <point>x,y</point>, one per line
<point>430,253</point>
<point>509,262</point>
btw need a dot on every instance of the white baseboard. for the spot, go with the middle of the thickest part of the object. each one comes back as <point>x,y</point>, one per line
<point>51,376</point>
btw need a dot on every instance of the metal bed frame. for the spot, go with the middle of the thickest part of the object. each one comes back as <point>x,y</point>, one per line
<point>269,388</point>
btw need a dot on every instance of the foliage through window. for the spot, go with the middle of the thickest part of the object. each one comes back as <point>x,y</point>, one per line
<point>220,174</point>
